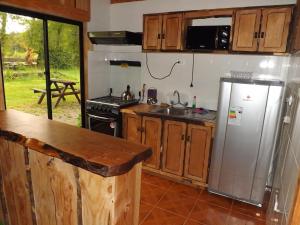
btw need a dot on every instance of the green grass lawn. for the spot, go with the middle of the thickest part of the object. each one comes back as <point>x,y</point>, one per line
<point>19,94</point>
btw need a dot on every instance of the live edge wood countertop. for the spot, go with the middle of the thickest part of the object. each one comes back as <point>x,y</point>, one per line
<point>98,153</point>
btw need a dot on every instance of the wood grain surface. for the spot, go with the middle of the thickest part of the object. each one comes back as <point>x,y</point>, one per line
<point>55,190</point>
<point>99,153</point>
<point>15,184</point>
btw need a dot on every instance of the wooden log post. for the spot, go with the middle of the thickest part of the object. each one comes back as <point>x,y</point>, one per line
<point>38,189</point>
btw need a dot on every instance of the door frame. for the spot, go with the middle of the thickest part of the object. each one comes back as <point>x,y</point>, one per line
<point>45,18</point>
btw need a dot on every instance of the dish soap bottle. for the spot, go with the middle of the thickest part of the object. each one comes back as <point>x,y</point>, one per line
<point>194,102</point>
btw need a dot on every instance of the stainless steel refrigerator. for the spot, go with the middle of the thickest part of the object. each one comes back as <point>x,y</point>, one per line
<point>247,126</point>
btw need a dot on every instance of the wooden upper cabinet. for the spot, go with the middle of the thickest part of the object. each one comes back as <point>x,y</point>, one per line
<point>172,30</point>
<point>246,30</point>
<point>132,127</point>
<point>262,30</point>
<point>197,152</point>
<point>152,32</point>
<point>274,29</point>
<point>173,147</point>
<point>151,136</point>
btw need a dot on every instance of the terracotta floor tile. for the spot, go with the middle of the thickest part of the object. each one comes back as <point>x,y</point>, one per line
<point>239,219</point>
<point>162,217</point>
<point>215,199</point>
<point>250,210</point>
<point>145,209</point>
<point>209,214</point>
<point>155,180</point>
<point>151,194</point>
<point>177,203</point>
<point>186,190</point>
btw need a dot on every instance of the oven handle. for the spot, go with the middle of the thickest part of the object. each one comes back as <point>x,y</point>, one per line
<point>101,118</point>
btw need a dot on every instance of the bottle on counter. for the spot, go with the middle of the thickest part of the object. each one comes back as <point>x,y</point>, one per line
<point>194,102</point>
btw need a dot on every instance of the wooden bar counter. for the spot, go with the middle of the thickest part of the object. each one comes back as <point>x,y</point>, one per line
<point>56,174</point>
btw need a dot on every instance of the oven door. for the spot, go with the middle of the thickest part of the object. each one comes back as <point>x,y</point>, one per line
<point>103,124</point>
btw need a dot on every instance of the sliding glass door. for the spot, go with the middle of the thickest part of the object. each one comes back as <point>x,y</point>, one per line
<point>42,63</point>
<point>22,46</point>
<point>64,60</point>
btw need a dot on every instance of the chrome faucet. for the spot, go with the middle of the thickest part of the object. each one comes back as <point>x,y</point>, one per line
<point>178,100</point>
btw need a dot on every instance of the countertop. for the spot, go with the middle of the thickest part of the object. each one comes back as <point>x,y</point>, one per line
<point>145,109</point>
<point>98,153</point>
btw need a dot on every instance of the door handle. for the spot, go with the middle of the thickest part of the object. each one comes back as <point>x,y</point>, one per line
<point>262,34</point>
<point>158,36</point>
<point>182,137</point>
<point>188,138</point>
<point>255,34</point>
<point>163,36</point>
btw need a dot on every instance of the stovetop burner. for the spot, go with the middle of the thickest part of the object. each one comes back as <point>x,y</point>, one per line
<point>113,101</point>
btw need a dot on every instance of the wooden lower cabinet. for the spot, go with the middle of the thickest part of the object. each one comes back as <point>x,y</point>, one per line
<point>173,147</point>
<point>197,152</point>
<point>151,136</point>
<point>132,127</point>
<point>185,147</point>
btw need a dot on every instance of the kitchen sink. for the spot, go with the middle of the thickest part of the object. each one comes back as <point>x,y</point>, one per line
<point>174,111</point>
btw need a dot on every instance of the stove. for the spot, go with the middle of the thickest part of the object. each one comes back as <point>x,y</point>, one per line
<point>103,114</point>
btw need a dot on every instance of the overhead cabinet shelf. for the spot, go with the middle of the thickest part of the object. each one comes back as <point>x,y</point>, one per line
<point>260,29</point>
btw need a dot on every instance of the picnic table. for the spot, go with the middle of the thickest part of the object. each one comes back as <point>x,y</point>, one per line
<point>61,89</point>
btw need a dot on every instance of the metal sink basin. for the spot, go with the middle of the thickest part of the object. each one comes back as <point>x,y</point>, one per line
<point>173,111</point>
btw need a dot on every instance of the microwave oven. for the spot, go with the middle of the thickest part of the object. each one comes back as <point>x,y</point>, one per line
<point>208,37</point>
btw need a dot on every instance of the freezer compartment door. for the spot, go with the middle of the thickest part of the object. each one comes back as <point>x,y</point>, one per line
<point>243,135</point>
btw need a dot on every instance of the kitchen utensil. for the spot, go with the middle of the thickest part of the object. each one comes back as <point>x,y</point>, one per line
<point>127,95</point>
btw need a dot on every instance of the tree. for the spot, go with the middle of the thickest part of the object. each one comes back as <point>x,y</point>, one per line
<point>3,21</point>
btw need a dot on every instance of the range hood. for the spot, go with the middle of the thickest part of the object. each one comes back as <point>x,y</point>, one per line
<point>115,38</point>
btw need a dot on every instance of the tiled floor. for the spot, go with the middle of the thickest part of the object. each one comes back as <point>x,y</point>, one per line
<point>166,203</point>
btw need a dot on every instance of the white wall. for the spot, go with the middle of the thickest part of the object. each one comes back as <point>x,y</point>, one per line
<point>208,67</point>
<point>128,16</point>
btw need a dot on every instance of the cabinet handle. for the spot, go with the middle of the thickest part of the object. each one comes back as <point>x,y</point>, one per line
<point>262,35</point>
<point>255,34</point>
<point>141,129</point>
<point>182,137</point>
<point>158,36</point>
<point>188,138</point>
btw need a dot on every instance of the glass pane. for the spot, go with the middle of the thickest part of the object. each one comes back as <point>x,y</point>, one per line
<point>23,63</point>
<point>64,57</point>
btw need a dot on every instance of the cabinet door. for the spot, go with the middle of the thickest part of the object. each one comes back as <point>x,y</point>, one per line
<point>274,29</point>
<point>151,136</point>
<point>132,127</point>
<point>197,152</point>
<point>173,147</point>
<point>246,30</point>
<point>172,30</point>
<point>152,32</point>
